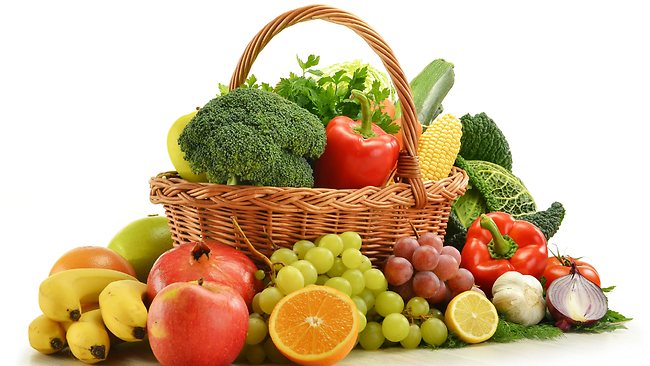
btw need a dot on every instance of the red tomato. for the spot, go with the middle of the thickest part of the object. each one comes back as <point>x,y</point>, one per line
<point>558,267</point>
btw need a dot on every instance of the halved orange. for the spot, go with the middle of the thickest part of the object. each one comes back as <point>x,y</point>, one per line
<point>472,317</point>
<point>316,325</point>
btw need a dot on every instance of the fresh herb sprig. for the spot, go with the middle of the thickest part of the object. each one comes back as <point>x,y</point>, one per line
<point>511,332</point>
<point>328,96</point>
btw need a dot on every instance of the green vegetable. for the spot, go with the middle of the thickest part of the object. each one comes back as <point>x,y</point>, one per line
<point>430,87</point>
<point>468,207</point>
<point>256,137</point>
<point>456,232</point>
<point>486,157</point>
<point>549,220</point>
<point>373,74</point>
<point>500,189</point>
<point>612,320</point>
<point>483,140</point>
<point>511,332</point>
<point>328,95</point>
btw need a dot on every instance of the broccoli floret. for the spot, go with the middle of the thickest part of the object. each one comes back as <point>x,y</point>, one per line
<point>483,140</point>
<point>256,137</point>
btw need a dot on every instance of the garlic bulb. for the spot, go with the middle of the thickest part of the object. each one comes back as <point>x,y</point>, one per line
<point>519,298</point>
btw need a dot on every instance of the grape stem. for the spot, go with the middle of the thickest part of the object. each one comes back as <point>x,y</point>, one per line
<point>270,239</point>
<point>250,246</point>
<point>415,231</point>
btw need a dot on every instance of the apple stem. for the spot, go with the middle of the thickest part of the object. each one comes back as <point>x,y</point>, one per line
<point>260,255</point>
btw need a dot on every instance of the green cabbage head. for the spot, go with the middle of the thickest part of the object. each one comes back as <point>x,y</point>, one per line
<point>492,188</point>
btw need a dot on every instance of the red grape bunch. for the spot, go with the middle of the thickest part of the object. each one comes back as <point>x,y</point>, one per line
<point>425,268</point>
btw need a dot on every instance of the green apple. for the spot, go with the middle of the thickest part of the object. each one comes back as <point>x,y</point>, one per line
<point>176,154</point>
<point>142,241</point>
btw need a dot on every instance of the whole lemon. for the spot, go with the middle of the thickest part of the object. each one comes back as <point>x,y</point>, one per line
<point>141,242</point>
<point>176,154</point>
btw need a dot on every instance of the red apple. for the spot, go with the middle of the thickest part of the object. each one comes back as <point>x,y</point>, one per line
<point>209,260</point>
<point>197,323</point>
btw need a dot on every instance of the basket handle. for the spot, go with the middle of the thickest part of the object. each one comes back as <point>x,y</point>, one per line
<point>407,163</point>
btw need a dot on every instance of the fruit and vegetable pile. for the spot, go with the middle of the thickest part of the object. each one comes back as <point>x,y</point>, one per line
<point>492,278</point>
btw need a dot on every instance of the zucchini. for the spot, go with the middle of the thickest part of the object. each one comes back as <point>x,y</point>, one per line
<point>430,87</point>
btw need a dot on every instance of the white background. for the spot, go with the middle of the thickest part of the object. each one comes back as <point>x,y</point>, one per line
<point>88,90</point>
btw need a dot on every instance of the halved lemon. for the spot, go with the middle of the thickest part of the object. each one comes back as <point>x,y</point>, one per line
<point>472,317</point>
<point>315,325</point>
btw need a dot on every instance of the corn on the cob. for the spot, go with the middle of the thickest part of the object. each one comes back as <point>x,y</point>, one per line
<point>438,147</point>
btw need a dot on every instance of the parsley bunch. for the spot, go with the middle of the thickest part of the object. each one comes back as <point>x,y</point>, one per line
<point>329,96</point>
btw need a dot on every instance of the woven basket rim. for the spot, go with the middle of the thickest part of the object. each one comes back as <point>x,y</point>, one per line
<point>173,175</point>
<point>169,188</point>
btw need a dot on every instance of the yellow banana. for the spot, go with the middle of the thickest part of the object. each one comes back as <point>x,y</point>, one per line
<point>88,338</point>
<point>123,309</point>
<point>62,294</point>
<point>46,335</point>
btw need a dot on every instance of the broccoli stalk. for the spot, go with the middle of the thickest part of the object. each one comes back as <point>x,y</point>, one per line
<point>253,137</point>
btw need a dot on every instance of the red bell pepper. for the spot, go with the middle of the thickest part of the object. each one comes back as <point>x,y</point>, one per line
<point>357,153</point>
<point>497,243</point>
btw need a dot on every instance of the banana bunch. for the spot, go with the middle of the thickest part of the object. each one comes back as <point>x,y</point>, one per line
<point>61,295</point>
<point>84,308</point>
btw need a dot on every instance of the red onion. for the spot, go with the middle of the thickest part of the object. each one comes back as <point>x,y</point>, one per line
<point>573,300</point>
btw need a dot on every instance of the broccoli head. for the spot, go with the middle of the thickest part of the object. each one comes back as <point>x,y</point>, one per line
<point>256,137</point>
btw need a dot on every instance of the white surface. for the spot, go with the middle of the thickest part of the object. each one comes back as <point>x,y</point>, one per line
<point>89,89</point>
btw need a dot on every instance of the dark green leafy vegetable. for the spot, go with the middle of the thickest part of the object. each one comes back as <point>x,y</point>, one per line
<point>456,232</point>
<point>500,189</point>
<point>486,157</point>
<point>469,206</point>
<point>549,220</point>
<point>256,137</point>
<point>483,140</point>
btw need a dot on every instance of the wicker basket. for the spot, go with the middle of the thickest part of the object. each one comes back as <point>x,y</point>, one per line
<point>277,217</point>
